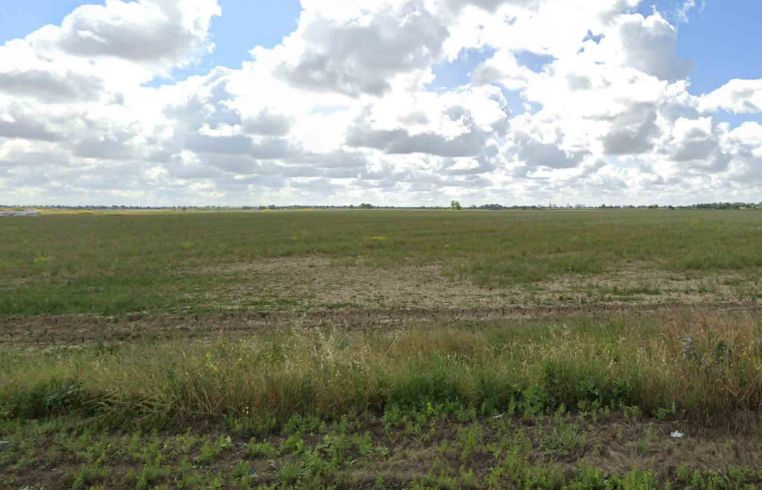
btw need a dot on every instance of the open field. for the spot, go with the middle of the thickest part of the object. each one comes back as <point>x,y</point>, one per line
<point>297,261</point>
<point>382,349</point>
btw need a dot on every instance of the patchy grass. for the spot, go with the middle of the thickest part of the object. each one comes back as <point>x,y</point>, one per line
<point>198,350</point>
<point>426,449</point>
<point>120,263</point>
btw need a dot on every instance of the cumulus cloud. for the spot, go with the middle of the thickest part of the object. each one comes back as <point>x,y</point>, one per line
<point>155,32</point>
<point>360,54</point>
<point>538,153</point>
<point>401,142</point>
<point>632,131</point>
<point>345,108</point>
<point>23,126</point>
<point>488,5</point>
<point>267,123</point>
<point>649,44</point>
<point>49,86</point>
<point>739,96</point>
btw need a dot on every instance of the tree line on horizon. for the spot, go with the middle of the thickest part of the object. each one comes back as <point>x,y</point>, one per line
<point>454,205</point>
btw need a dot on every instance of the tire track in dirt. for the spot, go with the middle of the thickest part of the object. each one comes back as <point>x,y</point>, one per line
<point>79,329</point>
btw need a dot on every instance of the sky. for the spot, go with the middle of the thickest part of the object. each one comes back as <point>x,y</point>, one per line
<point>394,102</point>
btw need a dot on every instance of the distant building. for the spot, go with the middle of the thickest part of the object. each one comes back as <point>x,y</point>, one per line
<point>24,213</point>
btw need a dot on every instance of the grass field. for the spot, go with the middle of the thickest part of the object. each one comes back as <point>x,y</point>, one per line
<point>381,349</point>
<point>115,264</point>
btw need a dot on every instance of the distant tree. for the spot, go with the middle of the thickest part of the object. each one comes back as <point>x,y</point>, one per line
<point>455,205</point>
<point>492,207</point>
<point>365,205</point>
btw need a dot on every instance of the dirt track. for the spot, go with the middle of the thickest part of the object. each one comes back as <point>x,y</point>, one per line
<point>75,329</point>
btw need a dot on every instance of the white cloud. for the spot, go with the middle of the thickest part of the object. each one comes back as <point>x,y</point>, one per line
<point>739,96</point>
<point>343,110</point>
<point>358,54</point>
<point>161,33</point>
<point>649,45</point>
<point>687,6</point>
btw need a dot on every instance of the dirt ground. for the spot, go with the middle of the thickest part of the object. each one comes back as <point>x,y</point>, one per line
<point>43,331</point>
<point>360,295</point>
<point>616,445</point>
<point>362,285</point>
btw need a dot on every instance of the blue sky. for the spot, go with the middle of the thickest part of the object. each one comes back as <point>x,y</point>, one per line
<point>243,25</point>
<point>337,114</point>
<point>720,38</point>
<point>722,41</point>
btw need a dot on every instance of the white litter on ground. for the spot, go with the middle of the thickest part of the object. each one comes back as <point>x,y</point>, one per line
<point>677,435</point>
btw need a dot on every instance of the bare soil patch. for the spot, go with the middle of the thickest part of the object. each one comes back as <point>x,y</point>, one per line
<point>362,285</point>
<point>44,331</point>
<point>358,284</point>
<point>315,292</point>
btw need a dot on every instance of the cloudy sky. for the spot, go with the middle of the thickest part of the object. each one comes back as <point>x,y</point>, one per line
<point>400,102</point>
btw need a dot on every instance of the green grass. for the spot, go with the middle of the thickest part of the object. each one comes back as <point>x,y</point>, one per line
<point>426,451</point>
<point>696,365</point>
<point>452,403</point>
<point>114,264</point>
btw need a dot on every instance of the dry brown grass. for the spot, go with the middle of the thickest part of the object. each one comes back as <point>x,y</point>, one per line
<point>701,365</point>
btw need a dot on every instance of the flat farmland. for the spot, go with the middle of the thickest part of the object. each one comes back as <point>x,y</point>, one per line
<point>297,260</point>
<point>612,348</point>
